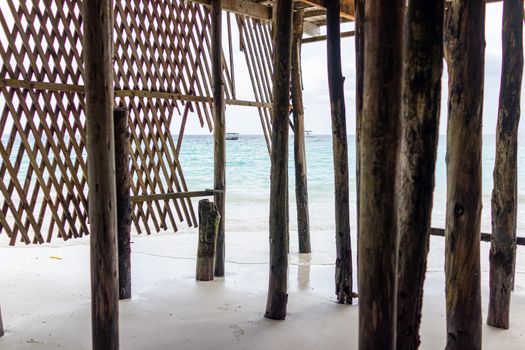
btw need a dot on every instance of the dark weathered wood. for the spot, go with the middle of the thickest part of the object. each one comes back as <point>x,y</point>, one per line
<point>98,77</point>
<point>485,237</point>
<point>219,133</point>
<point>343,263</point>
<point>423,67</point>
<point>123,185</point>
<point>209,219</point>
<point>282,39</point>
<point>464,51</point>
<point>504,195</point>
<point>359,83</point>
<point>1,324</point>
<point>301,183</point>
<point>380,135</point>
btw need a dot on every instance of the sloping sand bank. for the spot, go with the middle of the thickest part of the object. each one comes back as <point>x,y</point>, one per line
<point>45,299</point>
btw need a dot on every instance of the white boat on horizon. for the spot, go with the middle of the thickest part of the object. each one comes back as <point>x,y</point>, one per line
<point>232,136</point>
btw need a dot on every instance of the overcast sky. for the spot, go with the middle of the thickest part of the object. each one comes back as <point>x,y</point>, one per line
<point>245,120</point>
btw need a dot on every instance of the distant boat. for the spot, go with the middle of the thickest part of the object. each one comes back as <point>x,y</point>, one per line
<point>308,133</point>
<point>232,136</point>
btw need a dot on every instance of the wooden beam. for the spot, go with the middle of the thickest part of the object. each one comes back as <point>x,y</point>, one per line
<point>301,182</point>
<point>464,52</point>
<point>347,7</point>
<point>343,264</point>
<point>243,7</point>
<point>98,63</point>
<point>504,195</point>
<point>319,38</point>
<point>282,44</point>
<point>219,130</point>
<point>378,165</point>
<point>423,57</point>
<point>311,29</point>
<point>485,237</point>
<point>173,195</point>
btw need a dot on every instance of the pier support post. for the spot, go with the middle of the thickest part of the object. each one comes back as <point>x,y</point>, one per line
<point>423,66</point>
<point>343,264</point>
<point>219,127</point>
<point>301,183</point>
<point>282,40</point>
<point>504,194</point>
<point>98,77</point>
<point>379,152</point>
<point>123,183</point>
<point>209,219</point>
<point>464,51</point>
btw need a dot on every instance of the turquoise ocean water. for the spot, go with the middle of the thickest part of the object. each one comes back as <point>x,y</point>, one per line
<point>248,181</point>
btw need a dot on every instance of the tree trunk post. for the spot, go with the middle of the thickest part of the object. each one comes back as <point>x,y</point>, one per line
<point>219,124</point>
<point>278,286</point>
<point>343,264</point>
<point>359,78</point>
<point>504,194</point>
<point>379,152</point>
<point>209,219</point>
<point>98,77</point>
<point>423,66</point>
<point>301,184</point>
<point>464,51</point>
<point>123,183</point>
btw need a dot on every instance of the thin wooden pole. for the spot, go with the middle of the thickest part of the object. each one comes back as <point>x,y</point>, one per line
<point>301,183</point>
<point>504,195</point>
<point>464,51</point>
<point>278,286</point>
<point>423,67</point>
<point>343,264</point>
<point>123,183</point>
<point>359,82</point>
<point>379,153</point>
<point>98,77</point>
<point>219,130</point>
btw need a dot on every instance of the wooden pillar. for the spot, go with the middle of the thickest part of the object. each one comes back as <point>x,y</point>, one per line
<point>343,264</point>
<point>209,219</point>
<point>423,66</point>
<point>219,134</point>
<point>359,78</point>
<point>301,184</point>
<point>504,195</point>
<point>123,183</point>
<point>278,286</point>
<point>98,77</point>
<point>464,51</point>
<point>379,152</point>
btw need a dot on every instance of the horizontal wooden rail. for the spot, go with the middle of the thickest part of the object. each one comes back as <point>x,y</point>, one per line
<point>316,39</point>
<point>38,85</point>
<point>485,237</point>
<point>173,195</point>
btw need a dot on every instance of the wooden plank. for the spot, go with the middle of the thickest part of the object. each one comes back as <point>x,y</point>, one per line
<point>319,38</point>
<point>378,164</point>
<point>423,67</point>
<point>464,52</point>
<point>98,57</point>
<point>343,265</point>
<point>174,195</point>
<point>346,11</point>
<point>243,7</point>
<point>278,285</point>
<point>505,175</point>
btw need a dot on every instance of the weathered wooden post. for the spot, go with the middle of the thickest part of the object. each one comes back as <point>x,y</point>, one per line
<point>219,133</point>
<point>359,79</point>
<point>278,286</point>
<point>504,194</point>
<point>123,183</point>
<point>464,51</point>
<point>301,183</point>
<point>98,77</point>
<point>209,219</point>
<point>379,152</point>
<point>423,66</point>
<point>343,264</point>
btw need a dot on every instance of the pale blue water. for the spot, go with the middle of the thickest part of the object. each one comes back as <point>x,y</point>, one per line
<point>248,182</point>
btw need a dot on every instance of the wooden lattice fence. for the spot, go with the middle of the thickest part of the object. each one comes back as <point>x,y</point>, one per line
<point>162,72</point>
